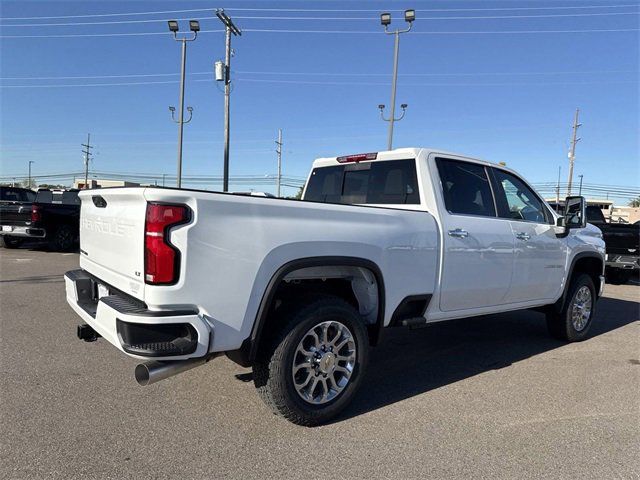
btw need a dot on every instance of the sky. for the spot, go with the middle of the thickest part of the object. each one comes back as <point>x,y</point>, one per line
<point>497,87</point>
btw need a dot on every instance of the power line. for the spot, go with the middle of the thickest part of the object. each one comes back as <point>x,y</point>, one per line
<point>341,32</point>
<point>327,83</point>
<point>192,10</point>
<point>331,74</point>
<point>342,18</point>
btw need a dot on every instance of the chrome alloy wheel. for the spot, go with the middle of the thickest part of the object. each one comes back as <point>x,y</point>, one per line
<point>581,308</point>
<point>323,362</point>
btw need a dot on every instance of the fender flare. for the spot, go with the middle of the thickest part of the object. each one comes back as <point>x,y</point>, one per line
<point>578,256</point>
<point>246,354</point>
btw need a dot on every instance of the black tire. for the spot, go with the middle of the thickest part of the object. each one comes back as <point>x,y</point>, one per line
<point>618,276</point>
<point>561,324</point>
<point>62,239</point>
<point>272,370</point>
<point>7,241</point>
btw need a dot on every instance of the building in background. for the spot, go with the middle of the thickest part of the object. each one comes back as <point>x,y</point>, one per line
<point>625,214</point>
<point>103,183</point>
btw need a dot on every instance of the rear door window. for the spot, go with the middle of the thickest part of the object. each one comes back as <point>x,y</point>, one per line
<point>384,182</point>
<point>466,188</point>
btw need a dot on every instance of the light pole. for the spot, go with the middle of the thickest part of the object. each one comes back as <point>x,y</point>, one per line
<point>580,190</point>
<point>194,26</point>
<point>29,184</point>
<point>229,28</point>
<point>385,20</point>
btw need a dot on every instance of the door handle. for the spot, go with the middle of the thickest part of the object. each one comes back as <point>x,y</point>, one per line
<point>458,233</point>
<point>523,236</point>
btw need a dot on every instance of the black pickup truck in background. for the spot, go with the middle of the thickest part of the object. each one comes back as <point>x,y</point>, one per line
<point>52,216</point>
<point>15,205</point>
<point>623,246</point>
<point>622,242</point>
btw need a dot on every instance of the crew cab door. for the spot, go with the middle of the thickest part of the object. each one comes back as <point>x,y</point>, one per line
<point>540,256</point>
<point>478,247</point>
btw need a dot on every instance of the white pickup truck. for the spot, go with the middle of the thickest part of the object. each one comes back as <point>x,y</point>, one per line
<point>300,289</point>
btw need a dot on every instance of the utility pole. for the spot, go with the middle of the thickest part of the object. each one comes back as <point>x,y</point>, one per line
<point>230,28</point>
<point>163,175</point>
<point>580,191</point>
<point>87,157</point>
<point>572,151</point>
<point>558,188</point>
<point>385,20</point>
<point>194,26</point>
<point>279,152</point>
<point>29,184</point>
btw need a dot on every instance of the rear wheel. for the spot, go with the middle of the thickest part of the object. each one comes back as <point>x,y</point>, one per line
<point>313,366</point>
<point>10,242</point>
<point>62,239</point>
<point>572,323</point>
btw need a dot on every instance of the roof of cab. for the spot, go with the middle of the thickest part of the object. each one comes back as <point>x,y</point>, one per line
<point>400,154</point>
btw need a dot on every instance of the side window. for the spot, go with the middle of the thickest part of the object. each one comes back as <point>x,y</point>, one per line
<point>466,188</point>
<point>522,203</point>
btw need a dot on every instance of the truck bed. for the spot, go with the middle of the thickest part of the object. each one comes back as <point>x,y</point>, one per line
<point>234,244</point>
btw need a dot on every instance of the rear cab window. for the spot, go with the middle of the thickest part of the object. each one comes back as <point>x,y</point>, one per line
<point>383,182</point>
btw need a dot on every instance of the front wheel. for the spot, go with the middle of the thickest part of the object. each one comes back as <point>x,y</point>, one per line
<point>572,323</point>
<point>314,365</point>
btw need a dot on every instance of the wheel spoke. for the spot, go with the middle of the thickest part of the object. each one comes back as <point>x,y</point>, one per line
<point>314,368</point>
<point>300,386</point>
<point>300,366</point>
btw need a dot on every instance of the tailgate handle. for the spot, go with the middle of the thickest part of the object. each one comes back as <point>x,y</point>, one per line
<point>99,201</point>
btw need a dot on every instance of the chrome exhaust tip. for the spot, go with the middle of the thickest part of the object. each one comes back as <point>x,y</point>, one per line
<point>152,372</point>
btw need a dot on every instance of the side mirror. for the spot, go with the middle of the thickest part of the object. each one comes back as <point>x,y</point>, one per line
<point>575,212</point>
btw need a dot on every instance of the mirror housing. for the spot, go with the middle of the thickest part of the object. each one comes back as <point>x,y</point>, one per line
<point>575,212</point>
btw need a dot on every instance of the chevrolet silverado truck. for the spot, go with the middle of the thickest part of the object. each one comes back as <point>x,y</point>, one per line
<point>301,289</point>
<point>53,217</point>
<point>15,204</point>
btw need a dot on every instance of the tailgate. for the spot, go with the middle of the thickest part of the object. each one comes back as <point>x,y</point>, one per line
<point>622,239</point>
<point>15,213</point>
<point>112,237</point>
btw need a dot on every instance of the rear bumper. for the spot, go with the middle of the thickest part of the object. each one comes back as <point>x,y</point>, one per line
<point>625,262</point>
<point>22,231</point>
<point>173,334</point>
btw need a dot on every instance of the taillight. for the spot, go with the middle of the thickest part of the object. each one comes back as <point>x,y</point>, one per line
<point>36,214</point>
<point>161,259</point>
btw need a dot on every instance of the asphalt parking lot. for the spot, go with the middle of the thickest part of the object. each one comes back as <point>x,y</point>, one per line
<point>481,398</point>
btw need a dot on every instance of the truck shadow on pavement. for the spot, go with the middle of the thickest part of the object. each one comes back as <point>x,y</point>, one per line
<point>412,362</point>
<point>36,280</point>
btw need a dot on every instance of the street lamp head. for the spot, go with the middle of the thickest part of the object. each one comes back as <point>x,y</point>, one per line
<point>385,19</point>
<point>190,109</point>
<point>381,106</point>
<point>404,106</point>
<point>194,25</point>
<point>409,15</point>
<point>172,109</point>
<point>173,26</point>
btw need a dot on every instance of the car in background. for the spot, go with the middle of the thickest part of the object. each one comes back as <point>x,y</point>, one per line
<point>52,216</point>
